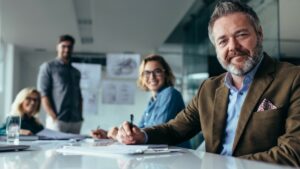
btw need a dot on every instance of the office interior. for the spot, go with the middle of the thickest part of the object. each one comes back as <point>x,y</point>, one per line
<point>175,29</point>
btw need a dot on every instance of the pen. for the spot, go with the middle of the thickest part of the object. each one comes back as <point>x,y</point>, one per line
<point>131,120</point>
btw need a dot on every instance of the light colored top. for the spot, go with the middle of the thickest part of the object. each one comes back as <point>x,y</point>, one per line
<point>236,100</point>
<point>164,107</point>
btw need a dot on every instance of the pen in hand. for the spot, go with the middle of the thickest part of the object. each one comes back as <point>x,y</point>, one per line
<point>99,133</point>
<point>131,121</point>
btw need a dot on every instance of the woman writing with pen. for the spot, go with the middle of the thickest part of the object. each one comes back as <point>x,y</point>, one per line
<point>156,76</point>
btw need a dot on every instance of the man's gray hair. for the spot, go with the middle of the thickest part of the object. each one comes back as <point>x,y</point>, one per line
<point>226,7</point>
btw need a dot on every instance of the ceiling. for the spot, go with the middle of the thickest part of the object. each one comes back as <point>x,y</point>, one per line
<point>105,25</point>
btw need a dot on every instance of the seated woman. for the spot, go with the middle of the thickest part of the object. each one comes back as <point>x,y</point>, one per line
<point>27,105</point>
<point>156,76</point>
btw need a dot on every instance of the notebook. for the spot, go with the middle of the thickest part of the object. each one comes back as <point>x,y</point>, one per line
<point>22,138</point>
<point>10,147</point>
<point>117,150</point>
<point>47,134</point>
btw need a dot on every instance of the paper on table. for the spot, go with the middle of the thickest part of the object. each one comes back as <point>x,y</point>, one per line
<point>47,134</point>
<point>11,147</point>
<point>115,149</point>
<point>22,138</point>
<point>102,142</point>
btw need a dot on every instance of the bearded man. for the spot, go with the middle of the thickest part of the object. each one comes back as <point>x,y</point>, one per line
<point>252,111</point>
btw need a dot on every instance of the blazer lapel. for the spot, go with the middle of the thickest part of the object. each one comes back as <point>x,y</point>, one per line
<point>219,116</point>
<point>261,81</point>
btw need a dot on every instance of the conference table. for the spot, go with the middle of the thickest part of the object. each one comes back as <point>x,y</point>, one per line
<point>44,155</point>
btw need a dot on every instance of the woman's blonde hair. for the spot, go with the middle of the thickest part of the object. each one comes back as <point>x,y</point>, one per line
<point>169,76</point>
<point>16,108</point>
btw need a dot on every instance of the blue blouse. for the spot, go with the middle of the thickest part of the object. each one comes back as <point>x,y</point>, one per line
<point>165,106</point>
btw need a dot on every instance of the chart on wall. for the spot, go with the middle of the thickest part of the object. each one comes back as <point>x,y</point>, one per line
<point>123,65</point>
<point>118,92</point>
<point>89,84</point>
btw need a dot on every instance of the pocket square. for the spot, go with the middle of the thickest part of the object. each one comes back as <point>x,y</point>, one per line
<point>266,105</point>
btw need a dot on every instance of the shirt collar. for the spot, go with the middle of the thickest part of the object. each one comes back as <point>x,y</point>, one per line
<point>158,92</point>
<point>62,62</point>
<point>247,80</point>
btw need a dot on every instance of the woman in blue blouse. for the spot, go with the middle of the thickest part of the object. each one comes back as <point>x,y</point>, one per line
<point>156,76</point>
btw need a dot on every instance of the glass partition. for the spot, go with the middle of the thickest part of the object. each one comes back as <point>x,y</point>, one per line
<point>1,62</point>
<point>199,55</point>
<point>1,67</point>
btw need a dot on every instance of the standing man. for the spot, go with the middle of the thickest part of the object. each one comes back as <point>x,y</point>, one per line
<point>252,111</point>
<point>58,82</point>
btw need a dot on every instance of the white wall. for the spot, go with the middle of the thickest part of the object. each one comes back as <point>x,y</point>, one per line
<point>17,82</point>
<point>2,51</point>
<point>8,83</point>
<point>107,116</point>
<point>12,82</point>
<point>114,115</point>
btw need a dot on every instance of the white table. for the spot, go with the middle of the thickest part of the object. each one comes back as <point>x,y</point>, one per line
<point>43,155</point>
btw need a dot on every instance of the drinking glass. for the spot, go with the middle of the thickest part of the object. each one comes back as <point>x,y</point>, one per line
<point>13,125</point>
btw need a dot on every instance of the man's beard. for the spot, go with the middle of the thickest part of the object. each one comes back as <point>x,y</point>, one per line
<point>250,61</point>
<point>67,56</point>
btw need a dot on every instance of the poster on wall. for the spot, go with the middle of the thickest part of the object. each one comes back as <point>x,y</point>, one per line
<point>122,65</point>
<point>89,101</point>
<point>89,84</point>
<point>90,75</point>
<point>118,92</point>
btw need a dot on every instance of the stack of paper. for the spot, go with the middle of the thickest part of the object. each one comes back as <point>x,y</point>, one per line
<point>22,138</point>
<point>117,149</point>
<point>47,134</point>
<point>11,147</point>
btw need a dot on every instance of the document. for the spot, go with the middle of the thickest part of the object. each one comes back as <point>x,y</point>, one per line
<point>22,138</point>
<point>100,142</point>
<point>28,138</point>
<point>47,134</point>
<point>117,149</point>
<point>10,147</point>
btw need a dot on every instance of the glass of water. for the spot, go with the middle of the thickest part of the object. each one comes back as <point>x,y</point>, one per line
<point>13,125</point>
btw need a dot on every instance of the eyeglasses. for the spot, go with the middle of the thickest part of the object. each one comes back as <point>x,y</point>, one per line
<point>35,99</point>
<point>155,72</point>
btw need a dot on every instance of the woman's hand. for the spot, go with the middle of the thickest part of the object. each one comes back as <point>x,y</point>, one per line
<point>112,133</point>
<point>25,132</point>
<point>99,133</point>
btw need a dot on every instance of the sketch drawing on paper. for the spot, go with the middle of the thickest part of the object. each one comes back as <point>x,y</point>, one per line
<point>118,92</point>
<point>123,65</point>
